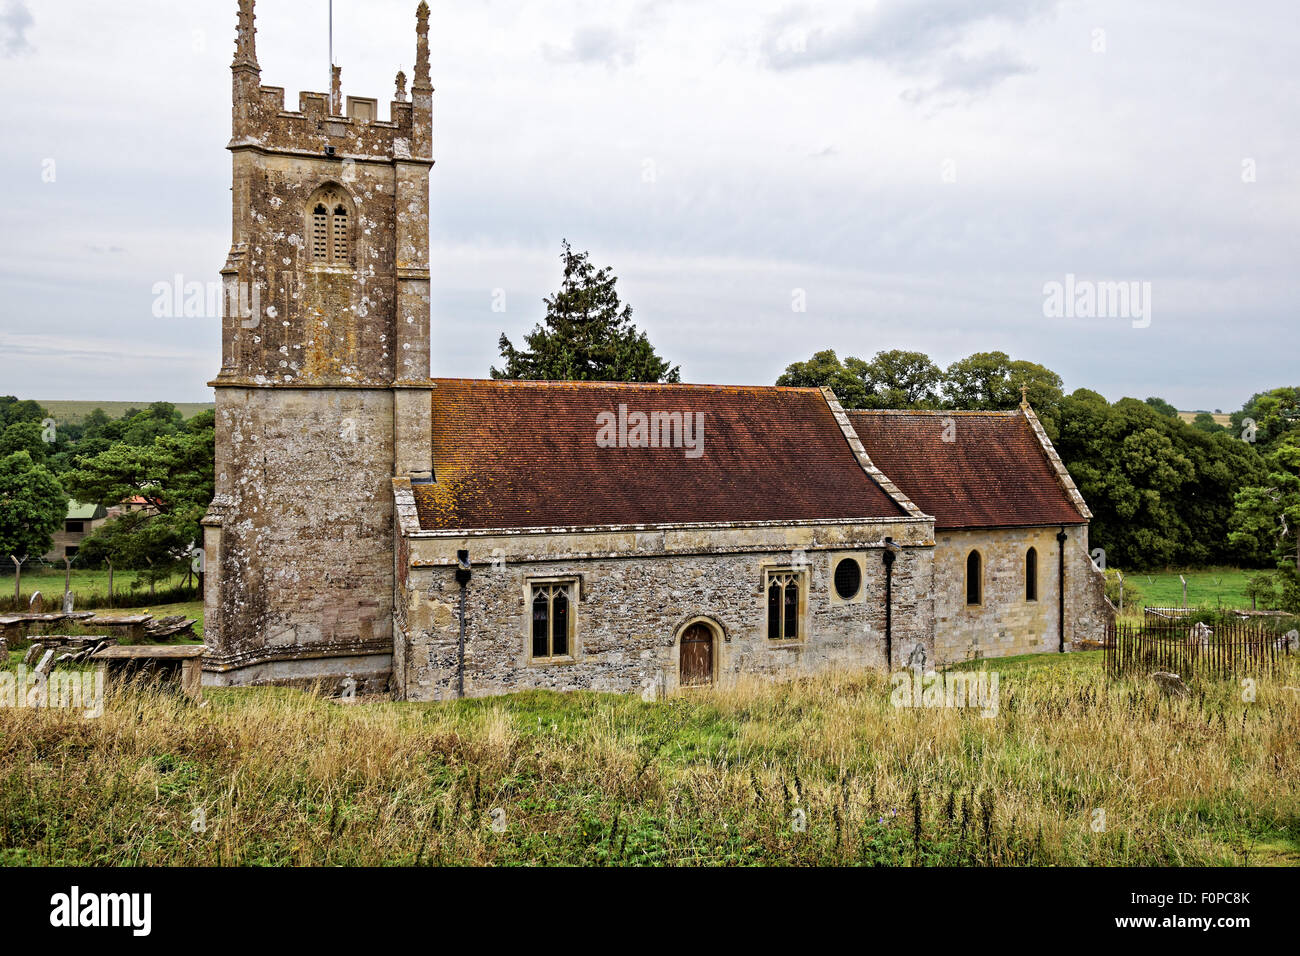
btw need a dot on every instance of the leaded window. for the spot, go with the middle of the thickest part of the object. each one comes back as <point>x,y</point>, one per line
<point>784,605</point>
<point>552,620</point>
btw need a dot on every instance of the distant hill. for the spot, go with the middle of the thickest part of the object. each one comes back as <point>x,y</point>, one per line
<point>73,412</point>
<point>1221,418</point>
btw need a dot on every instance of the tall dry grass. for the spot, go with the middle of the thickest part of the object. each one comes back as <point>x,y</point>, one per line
<point>816,771</point>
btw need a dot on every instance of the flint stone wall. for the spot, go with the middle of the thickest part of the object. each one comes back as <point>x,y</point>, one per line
<point>633,607</point>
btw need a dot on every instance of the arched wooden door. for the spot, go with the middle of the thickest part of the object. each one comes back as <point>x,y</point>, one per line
<point>697,655</point>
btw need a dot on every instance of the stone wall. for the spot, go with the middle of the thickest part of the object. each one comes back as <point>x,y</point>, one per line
<point>1005,623</point>
<point>635,600</point>
<point>1087,612</point>
<point>301,536</point>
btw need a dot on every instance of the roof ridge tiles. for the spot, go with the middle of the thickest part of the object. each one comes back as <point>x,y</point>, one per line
<point>630,386</point>
<point>999,412</point>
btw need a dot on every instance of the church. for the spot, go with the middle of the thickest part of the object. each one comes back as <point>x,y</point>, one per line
<point>379,529</point>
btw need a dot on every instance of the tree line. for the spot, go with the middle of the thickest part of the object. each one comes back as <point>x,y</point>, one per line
<point>154,454</point>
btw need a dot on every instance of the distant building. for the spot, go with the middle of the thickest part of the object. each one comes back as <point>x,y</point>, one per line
<point>136,503</point>
<point>81,520</point>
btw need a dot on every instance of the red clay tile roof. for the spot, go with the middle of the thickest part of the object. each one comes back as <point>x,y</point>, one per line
<point>512,454</point>
<point>994,475</point>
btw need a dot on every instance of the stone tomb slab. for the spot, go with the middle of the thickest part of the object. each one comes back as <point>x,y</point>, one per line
<point>177,664</point>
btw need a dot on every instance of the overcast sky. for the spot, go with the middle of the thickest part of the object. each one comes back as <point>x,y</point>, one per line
<point>920,170</point>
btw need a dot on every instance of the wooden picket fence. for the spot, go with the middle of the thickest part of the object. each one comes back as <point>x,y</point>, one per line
<point>1236,649</point>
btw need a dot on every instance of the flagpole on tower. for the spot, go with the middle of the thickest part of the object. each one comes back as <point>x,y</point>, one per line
<point>330,85</point>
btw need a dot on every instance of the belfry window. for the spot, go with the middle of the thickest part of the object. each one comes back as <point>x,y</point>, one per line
<point>339,235</point>
<point>328,232</point>
<point>320,233</point>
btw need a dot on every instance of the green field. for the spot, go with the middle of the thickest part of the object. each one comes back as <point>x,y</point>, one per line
<point>1217,587</point>
<point>74,412</point>
<point>49,580</point>
<point>820,770</point>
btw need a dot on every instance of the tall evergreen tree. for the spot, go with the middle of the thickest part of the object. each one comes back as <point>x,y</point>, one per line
<point>588,334</point>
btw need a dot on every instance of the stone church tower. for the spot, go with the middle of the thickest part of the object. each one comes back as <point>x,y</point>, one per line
<point>323,396</point>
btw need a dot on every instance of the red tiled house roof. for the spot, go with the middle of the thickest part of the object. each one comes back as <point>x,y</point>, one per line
<point>510,454</point>
<point>995,474</point>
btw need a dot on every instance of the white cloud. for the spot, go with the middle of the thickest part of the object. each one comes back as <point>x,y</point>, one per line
<point>599,45</point>
<point>15,21</point>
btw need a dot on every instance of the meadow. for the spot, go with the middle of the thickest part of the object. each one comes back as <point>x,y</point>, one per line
<point>74,412</point>
<point>1073,769</point>
<point>1212,587</point>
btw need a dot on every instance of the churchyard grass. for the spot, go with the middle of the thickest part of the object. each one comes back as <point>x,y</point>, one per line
<point>1073,769</point>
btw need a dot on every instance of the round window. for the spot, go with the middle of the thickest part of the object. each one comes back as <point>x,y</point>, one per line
<point>848,578</point>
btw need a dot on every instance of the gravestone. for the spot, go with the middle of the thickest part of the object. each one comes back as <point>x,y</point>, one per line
<point>37,604</point>
<point>43,668</point>
<point>1200,635</point>
<point>1170,683</point>
<point>650,690</point>
<point>67,602</point>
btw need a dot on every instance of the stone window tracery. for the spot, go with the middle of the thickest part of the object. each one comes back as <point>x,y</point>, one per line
<point>786,600</point>
<point>552,620</point>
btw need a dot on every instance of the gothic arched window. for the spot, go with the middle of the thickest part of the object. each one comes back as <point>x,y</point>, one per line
<point>1031,574</point>
<point>320,233</point>
<point>552,621</point>
<point>339,234</point>
<point>785,604</point>
<point>329,236</point>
